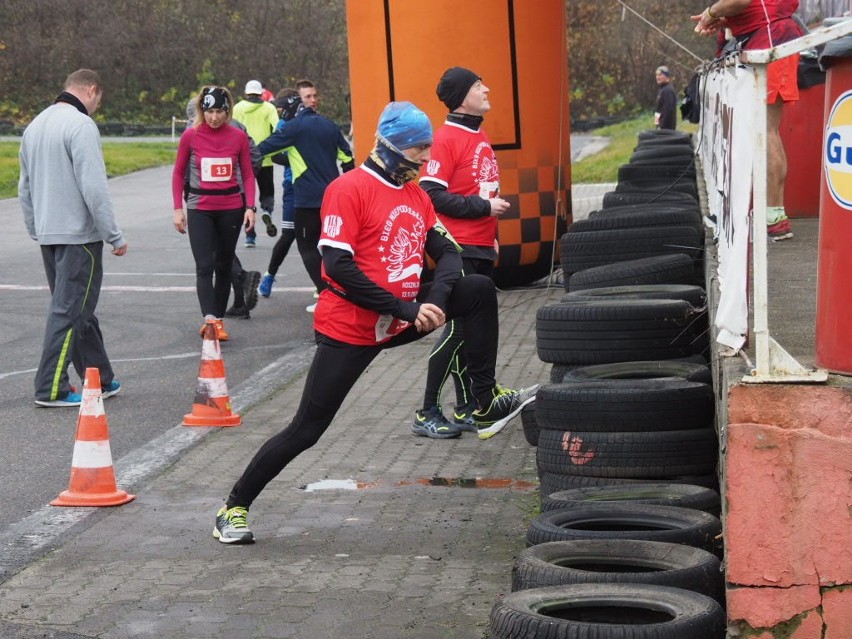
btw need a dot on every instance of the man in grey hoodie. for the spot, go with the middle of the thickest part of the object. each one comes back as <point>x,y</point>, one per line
<point>68,210</point>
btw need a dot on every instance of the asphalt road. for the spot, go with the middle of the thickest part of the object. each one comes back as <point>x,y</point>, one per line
<point>150,319</point>
<point>149,315</point>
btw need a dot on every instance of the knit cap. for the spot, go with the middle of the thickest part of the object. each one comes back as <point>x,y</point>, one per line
<point>454,85</point>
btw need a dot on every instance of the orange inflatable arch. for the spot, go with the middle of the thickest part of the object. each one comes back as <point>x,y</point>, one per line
<point>398,50</point>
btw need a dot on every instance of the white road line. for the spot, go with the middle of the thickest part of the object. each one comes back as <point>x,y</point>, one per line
<point>33,536</point>
<point>156,358</point>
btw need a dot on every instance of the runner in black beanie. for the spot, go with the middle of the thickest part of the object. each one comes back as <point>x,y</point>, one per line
<point>454,85</point>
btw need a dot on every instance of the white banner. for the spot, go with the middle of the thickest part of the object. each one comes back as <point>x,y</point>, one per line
<point>726,151</point>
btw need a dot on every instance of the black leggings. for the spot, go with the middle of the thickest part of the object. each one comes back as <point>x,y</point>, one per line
<point>337,366</point>
<point>213,238</point>
<point>447,356</point>
<point>265,188</point>
<point>280,250</point>
<point>308,227</point>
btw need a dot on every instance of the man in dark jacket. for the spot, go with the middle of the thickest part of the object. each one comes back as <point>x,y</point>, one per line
<point>314,145</point>
<point>665,114</point>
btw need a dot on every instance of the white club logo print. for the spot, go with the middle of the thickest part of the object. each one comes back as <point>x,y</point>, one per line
<point>402,244</point>
<point>485,171</point>
<point>432,167</point>
<point>331,225</point>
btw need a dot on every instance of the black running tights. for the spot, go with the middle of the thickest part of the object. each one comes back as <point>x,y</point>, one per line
<point>447,356</point>
<point>213,238</point>
<point>337,366</point>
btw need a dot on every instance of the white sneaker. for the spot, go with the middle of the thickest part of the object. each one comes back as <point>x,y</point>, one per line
<point>311,308</point>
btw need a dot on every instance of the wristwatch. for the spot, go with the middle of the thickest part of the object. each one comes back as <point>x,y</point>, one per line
<point>253,209</point>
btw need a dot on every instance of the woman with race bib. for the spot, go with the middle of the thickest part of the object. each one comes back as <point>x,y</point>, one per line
<point>214,167</point>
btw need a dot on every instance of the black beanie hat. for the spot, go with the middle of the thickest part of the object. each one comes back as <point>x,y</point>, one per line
<point>454,85</point>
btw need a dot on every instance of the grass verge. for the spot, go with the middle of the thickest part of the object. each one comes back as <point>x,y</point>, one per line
<point>602,167</point>
<point>120,158</point>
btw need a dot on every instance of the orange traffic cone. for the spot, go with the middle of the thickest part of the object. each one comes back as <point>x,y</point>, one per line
<point>212,406</point>
<point>92,477</point>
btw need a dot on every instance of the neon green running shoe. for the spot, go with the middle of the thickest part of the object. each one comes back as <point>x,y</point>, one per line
<point>506,403</point>
<point>231,526</point>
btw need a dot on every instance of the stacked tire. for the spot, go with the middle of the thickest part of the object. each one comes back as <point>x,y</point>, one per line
<point>628,541</point>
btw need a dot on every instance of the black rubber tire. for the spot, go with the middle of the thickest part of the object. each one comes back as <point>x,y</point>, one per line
<point>601,332</point>
<point>653,207</point>
<point>679,152</point>
<point>654,369</point>
<point>648,206</point>
<point>623,520</point>
<point>680,161</point>
<point>606,611</point>
<point>677,268</point>
<point>607,219</point>
<point>639,173</point>
<point>663,144</point>
<point>557,371</point>
<point>581,251</point>
<point>625,405</point>
<point>658,494</point>
<point>620,198</point>
<point>612,561</point>
<point>685,185</point>
<point>627,455</point>
<point>530,425</point>
<point>695,295</point>
<point>550,483</point>
<point>664,135</point>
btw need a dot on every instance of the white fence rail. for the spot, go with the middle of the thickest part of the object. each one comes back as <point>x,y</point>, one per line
<point>732,147</point>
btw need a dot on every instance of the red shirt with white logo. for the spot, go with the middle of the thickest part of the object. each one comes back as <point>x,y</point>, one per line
<point>384,227</point>
<point>464,162</point>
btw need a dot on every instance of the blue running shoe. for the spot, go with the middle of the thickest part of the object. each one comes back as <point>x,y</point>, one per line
<point>250,242</point>
<point>265,287</point>
<point>432,423</point>
<point>110,389</point>
<point>463,417</point>
<point>70,399</point>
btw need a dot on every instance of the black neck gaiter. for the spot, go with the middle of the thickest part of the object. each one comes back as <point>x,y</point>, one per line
<point>73,100</point>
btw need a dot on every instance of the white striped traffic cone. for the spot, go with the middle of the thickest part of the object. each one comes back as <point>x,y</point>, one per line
<point>212,405</point>
<point>92,477</point>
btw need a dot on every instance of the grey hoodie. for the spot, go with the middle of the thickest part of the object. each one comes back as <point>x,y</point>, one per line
<point>63,187</point>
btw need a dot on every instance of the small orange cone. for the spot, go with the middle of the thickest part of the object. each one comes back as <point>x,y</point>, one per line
<point>92,478</point>
<point>212,406</point>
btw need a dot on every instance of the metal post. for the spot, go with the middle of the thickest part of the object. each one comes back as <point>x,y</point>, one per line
<point>758,226</point>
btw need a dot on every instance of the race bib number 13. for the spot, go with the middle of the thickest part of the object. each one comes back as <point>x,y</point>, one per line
<point>216,169</point>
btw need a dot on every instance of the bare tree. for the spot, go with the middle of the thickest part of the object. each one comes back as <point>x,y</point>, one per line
<point>154,54</point>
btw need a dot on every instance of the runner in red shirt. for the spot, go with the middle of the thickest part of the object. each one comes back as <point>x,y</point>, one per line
<point>463,182</point>
<point>376,225</point>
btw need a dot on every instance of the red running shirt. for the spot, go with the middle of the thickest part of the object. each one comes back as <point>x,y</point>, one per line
<point>464,162</point>
<point>753,20</point>
<point>384,228</point>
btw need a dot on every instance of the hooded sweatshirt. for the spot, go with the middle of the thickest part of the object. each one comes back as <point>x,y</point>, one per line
<point>260,119</point>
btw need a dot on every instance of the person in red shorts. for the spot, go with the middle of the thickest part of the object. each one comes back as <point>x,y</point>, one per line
<point>763,24</point>
<point>377,226</point>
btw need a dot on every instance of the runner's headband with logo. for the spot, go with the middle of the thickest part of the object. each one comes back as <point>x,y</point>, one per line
<point>215,98</point>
